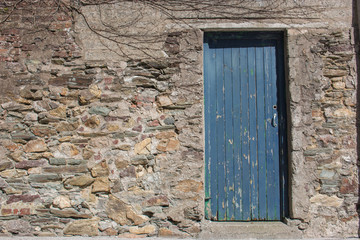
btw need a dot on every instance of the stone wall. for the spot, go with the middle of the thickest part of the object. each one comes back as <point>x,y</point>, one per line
<point>102,135</point>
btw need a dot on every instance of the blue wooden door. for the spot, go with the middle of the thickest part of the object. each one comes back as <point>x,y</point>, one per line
<point>245,126</point>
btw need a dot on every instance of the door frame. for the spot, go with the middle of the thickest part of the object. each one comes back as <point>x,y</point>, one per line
<point>282,87</point>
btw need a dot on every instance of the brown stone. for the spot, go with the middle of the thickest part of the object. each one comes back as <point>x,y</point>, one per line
<point>348,186</point>
<point>338,85</point>
<point>344,112</point>
<point>116,210</point>
<point>162,145</point>
<point>137,219</point>
<point>100,170</point>
<point>68,149</point>
<point>69,213</point>
<point>189,186</point>
<point>157,201</point>
<point>62,202</point>
<point>101,184</point>
<point>5,164</point>
<point>120,164</point>
<point>148,229</point>
<point>111,232</point>
<point>80,181</point>
<point>168,145</point>
<point>35,146</point>
<point>140,148</point>
<point>327,201</point>
<point>67,126</point>
<point>42,131</point>
<point>165,232</point>
<point>13,173</point>
<point>87,153</point>
<point>166,135</point>
<point>85,227</point>
<point>59,112</point>
<point>112,127</point>
<point>172,145</point>
<point>335,73</point>
<point>164,101</point>
<point>18,156</point>
<point>92,122</point>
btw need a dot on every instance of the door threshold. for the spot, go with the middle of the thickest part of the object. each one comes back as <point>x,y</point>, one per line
<point>246,230</point>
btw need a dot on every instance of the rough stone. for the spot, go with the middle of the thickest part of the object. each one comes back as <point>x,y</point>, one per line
<point>164,101</point>
<point>35,146</point>
<point>157,201</point>
<point>30,164</point>
<point>166,135</point>
<point>57,161</point>
<point>117,210</point>
<point>80,181</point>
<point>99,110</point>
<point>141,147</point>
<point>189,186</point>
<point>101,184</point>
<point>13,173</point>
<point>100,170</point>
<point>69,213</point>
<point>136,218</point>
<point>327,201</point>
<point>17,226</point>
<point>44,178</point>
<point>68,149</point>
<point>92,122</point>
<point>86,227</point>
<point>4,164</point>
<point>148,229</point>
<point>22,198</point>
<point>62,202</point>
<point>59,112</point>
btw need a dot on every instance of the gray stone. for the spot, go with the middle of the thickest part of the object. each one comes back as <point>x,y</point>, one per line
<point>327,174</point>
<point>17,226</point>
<point>159,128</point>
<point>99,110</point>
<point>57,161</point>
<point>43,178</point>
<point>139,160</point>
<point>169,121</point>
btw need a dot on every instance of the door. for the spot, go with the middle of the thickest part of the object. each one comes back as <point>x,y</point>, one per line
<point>245,126</point>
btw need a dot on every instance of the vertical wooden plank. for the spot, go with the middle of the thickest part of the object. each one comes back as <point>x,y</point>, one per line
<point>261,146</point>
<point>220,129</point>
<point>207,98</point>
<point>268,131</point>
<point>270,138</point>
<point>252,135</point>
<point>275,138</point>
<point>228,135</point>
<point>244,131</point>
<point>210,117</point>
<point>237,133</point>
<point>282,129</point>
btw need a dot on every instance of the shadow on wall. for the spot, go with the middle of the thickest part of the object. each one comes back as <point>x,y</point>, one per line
<point>356,25</point>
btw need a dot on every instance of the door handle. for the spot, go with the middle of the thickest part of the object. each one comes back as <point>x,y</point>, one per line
<point>273,122</point>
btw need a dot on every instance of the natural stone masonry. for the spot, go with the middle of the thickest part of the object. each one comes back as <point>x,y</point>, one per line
<point>95,141</point>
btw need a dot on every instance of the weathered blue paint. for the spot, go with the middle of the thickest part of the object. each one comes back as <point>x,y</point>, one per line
<point>245,145</point>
